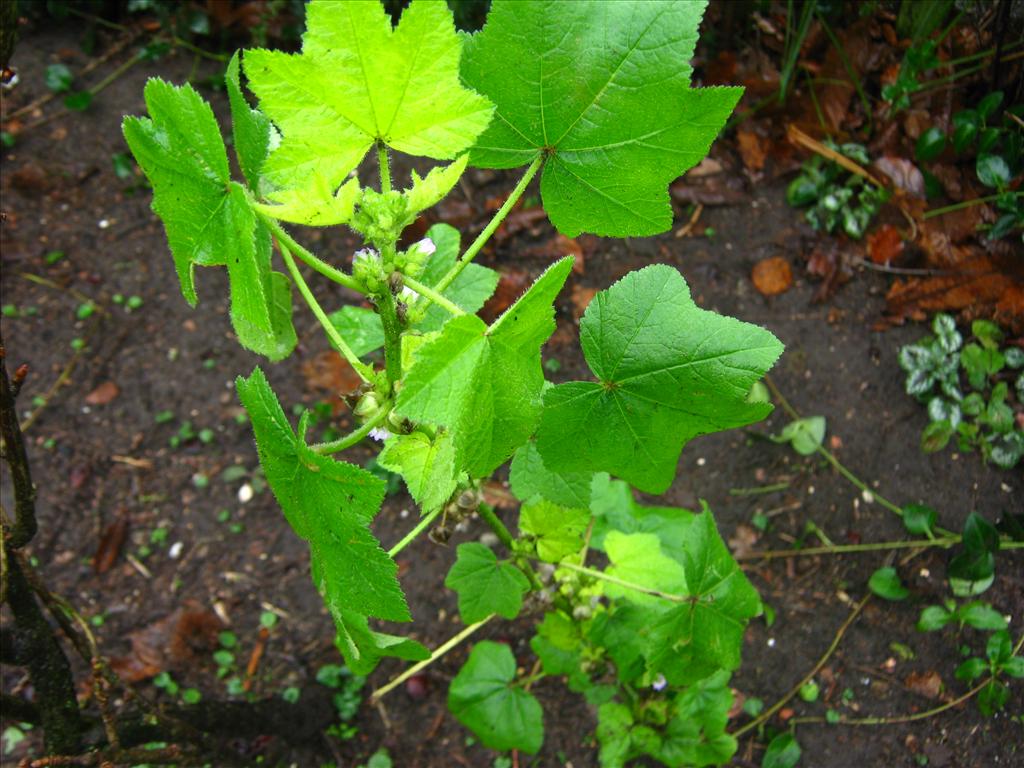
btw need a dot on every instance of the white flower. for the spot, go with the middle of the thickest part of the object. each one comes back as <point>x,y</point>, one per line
<point>659,683</point>
<point>426,246</point>
<point>366,256</point>
<point>408,295</point>
<point>379,434</point>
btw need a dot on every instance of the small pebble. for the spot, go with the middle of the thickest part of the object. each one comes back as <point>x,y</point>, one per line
<point>175,551</point>
<point>245,493</point>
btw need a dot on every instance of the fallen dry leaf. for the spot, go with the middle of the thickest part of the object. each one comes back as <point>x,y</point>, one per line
<point>927,684</point>
<point>330,372</point>
<point>743,541</point>
<point>772,276</point>
<point>903,174</point>
<point>177,639</point>
<point>885,245</point>
<point>110,544</point>
<point>497,495</point>
<point>753,149</point>
<point>103,394</point>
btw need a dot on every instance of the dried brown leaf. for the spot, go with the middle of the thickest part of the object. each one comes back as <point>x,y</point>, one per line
<point>772,276</point>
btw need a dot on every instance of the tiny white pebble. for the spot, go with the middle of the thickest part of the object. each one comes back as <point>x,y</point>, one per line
<point>245,493</point>
<point>175,551</point>
<point>868,496</point>
<point>865,681</point>
<point>810,490</point>
<point>1005,488</point>
<point>924,573</point>
<point>771,642</point>
<point>701,462</point>
<point>103,223</point>
<point>403,514</point>
<point>86,409</point>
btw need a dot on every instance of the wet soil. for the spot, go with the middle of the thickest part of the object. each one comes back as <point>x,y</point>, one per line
<point>99,463</point>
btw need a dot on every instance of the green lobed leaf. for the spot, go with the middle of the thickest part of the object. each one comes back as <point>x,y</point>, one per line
<point>483,383</point>
<point>667,371</point>
<point>696,736</point>
<point>250,128</point>
<point>602,91</point>
<point>484,698</point>
<point>485,585</point>
<point>328,503</point>
<point>427,464</point>
<point>557,530</point>
<point>529,478</point>
<point>615,509</point>
<point>314,204</point>
<point>207,216</point>
<point>363,648</point>
<point>358,81</point>
<point>637,558</point>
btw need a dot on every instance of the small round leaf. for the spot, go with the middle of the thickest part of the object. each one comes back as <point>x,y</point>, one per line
<point>885,582</point>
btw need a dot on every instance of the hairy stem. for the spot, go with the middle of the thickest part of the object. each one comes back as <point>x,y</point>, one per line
<point>494,223</point>
<point>429,293</point>
<point>355,435</point>
<point>764,716</point>
<point>319,265</point>
<point>384,167</point>
<point>392,336</point>
<point>601,575</point>
<point>364,371</point>
<point>437,654</point>
<point>421,526</point>
<point>488,516</point>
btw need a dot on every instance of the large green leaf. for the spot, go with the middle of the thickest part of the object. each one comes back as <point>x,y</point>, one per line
<point>427,464</point>
<point>637,558</point>
<point>602,89</point>
<point>709,627</point>
<point>328,503</point>
<point>483,383</point>
<point>528,477</point>
<point>557,531</point>
<point>359,81</point>
<point>485,585</point>
<point>207,216</point>
<point>250,128</point>
<point>615,509</point>
<point>484,699</point>
<point>667,371</point>
<point>696,736</point>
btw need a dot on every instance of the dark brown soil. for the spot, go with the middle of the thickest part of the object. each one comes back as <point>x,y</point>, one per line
<point>95,464</point>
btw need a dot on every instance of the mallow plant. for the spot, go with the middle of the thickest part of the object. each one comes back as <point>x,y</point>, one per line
<point>641,609</point>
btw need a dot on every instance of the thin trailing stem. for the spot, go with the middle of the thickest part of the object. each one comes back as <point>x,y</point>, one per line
<point>378,694</point>
<point>488,516</point>
<point>421,526</point>
<point>916,715</point>
<point>384,167</point>
<point>841,549</point>
<point>319,265</point>
<point>766,715</point>
<point>429,293</point>
<point>493,225</point>
<point>353,437</point>
<point>958,206</point>
<point>596,574</point>
<point>364,371</point>
<point>392,335</point>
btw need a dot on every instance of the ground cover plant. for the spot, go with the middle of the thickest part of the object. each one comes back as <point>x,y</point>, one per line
<point>456,398</point>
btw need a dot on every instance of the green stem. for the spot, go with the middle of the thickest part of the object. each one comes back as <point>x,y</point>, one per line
<point>759,489</point>
<point>392,336</point>
<point>593,573</point>
<point>766,715</point>
<point>114,75</point>
<point>364,371</point>
<point>488,516</point>
<point>842,470</point>
<point>378,694</point>
<point>317,264</point>
<point>429,293</point>
<point>384,167</point>
<point>489,230</point>
<point>354,436</point>
<point>421,526</point>
<point>838,549</point>
<point>958,206</point>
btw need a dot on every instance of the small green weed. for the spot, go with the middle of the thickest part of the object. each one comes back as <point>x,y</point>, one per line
<point>941,368</point>
<point>834,197</point>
